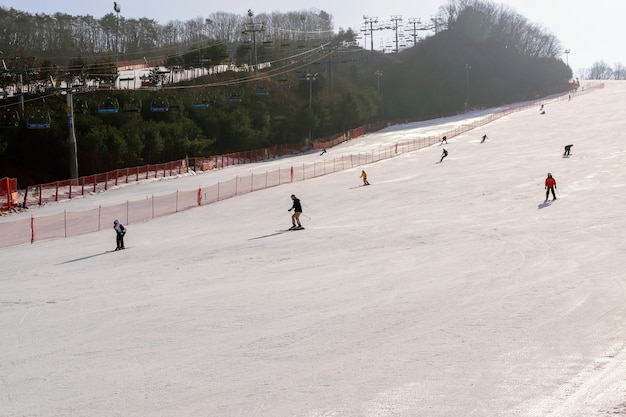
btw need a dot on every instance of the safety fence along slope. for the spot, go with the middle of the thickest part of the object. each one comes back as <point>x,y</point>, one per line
<point>68,223</point>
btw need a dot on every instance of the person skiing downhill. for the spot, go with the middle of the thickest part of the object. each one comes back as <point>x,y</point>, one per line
<point>444,140</point>
<point>550,185</point>
<point>364,176</point>
<point>120,231</point>
<point>484,138</point>
<point>443,155</point>
<point>297,211</point>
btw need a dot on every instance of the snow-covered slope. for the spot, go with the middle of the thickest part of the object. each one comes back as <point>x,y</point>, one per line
<point>440,290</point>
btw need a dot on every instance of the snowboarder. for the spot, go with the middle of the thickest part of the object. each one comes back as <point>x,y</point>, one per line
<point>550,185</point>
<point>568,148</point>
<point>444,140</point>
<point>323,152</point>
<point>443,155</point>
<point>120,231</point>
<point>297,211</point>
<point>364,176</point>
<point>484,138</point>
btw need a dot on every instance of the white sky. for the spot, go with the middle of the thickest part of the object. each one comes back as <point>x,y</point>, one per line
<point>440,290</point>
<point>591,33</point>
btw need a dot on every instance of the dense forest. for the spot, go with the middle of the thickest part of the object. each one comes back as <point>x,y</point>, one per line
<point>288,78</point>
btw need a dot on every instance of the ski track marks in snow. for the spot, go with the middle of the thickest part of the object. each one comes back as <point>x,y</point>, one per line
<point>592,392</point>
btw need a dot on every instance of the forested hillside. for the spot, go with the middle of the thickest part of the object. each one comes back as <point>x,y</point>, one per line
<point>296,78</point>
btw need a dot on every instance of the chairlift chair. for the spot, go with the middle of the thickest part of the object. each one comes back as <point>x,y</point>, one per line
<point>9,117</point>
<point>80,106</point>
<point>262,91</point>
<point>234,97</point>
<point>159,105</point>
<point>39,119</point>
<point>132,105</point>
<point>109,105</point>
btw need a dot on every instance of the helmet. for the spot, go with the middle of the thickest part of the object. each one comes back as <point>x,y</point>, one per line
<point>116,222</point>
<point>549,175</point>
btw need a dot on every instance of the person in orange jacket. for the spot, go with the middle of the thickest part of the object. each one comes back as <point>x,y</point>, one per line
<point>364,176</point>
<point>550,186</point>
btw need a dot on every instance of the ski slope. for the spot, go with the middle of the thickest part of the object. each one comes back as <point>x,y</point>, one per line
<point>443,289</point>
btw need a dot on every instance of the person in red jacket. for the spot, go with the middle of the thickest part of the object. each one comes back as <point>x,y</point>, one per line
<point>550,186</point>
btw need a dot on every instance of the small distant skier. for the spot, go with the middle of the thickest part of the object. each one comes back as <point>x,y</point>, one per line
<point>443,155</point>
<point>541,108</point>
<point>297,211</point>
<point>568,148</point>
<point>323,152</point>
<point>484,138</point>
<point>444,140</point>
<point>550,186</point>
<point>120,231</point>
<point>364,176</point>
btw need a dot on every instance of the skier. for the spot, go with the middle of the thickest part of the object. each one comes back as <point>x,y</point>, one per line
<point>444,140</point>
<point>550,186</point>
<point>297,211</point>
<point>484,138</point>
<point>364,176</point>
<point>443,155</point>
<point>120,231</point>
<point>568,148</point>
<point>323,152</point>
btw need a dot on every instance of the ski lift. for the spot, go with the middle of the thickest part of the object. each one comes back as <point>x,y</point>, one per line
<point>80,106</point>
<point>9,117</point>
<point>159,105</point>
<point>235,97</point>
<point>205,101</point>
<point>109,105</point>
<point>40,119</point>
<point>132,105</point>
<point>262,91</point>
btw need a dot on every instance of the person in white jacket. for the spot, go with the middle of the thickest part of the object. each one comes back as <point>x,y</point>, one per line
<point>120,231</point>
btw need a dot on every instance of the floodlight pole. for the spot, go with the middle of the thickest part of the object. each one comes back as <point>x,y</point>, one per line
<point>467,69</point>
<point>378,73</point>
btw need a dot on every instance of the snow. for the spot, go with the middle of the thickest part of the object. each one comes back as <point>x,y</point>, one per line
<point>443,289</point>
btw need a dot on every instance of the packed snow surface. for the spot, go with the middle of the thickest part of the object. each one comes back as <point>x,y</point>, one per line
<point>443,289</point>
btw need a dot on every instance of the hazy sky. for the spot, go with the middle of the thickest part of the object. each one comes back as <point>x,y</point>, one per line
<point>591,32</point>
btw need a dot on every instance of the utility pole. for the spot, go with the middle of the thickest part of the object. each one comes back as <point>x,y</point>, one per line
<point>395,20</point>
<point>414,29</point>
<point>567,51</point>
<point>253,28</point>
<point>379,74</point>
<point>71,135</point>
<point>371,21</point>
<point>118,9</point>
<point>310,78</point>
<point>467,70</point>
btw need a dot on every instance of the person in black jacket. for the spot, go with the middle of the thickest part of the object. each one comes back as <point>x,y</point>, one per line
<point>443,155</point>
<point>297,211</point>
<point>120,231</point>
<point>568,149</point>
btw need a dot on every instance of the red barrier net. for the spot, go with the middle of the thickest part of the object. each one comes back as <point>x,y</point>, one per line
<point>8,193</point>
<point>76,223</point>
